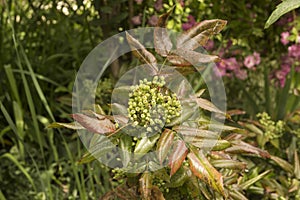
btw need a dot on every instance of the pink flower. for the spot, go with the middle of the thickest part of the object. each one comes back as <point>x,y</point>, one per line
<point>136,20</point>
<point>158,5</point>
<point>294,51</point>
<point>190,23</point>
<point>256,58</point>
<point>241,74</point>
<point>232,64</point>
<point>153,20</point>
<point>252,60</point>
<point>219,71</point>
<point>249,61</point>
<point>284,38</point>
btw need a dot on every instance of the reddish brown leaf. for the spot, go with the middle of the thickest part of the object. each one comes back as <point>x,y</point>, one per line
<point>207,105</point>
<point>95,125</point>
<point>156,193</point>
<point>183,57</point>
<point>162,42</point>
<point>177,157</point>
<point>201,168</point>
<point>243,147</point>
<point>164,144</point>
<point>200,33</point>
<point>141,52</point>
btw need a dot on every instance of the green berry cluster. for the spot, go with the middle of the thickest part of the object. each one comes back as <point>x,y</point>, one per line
<point>118,174</point>
<point>272,129</point>
<point>161,184</point>
<point>151,105</point>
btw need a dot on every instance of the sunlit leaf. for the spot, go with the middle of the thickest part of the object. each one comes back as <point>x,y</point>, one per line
<point>228,164</point>
<point>141,52</point>
<point>95,125</point>
<point>199,34</point>
<point>283,164</point>
<point>201,168</point>
<point>125,145</point>
<point>250,182</point>
<point>164,144</point>
<point>189,133</point>
<point>162,42</point>
<point>297,165</point>
<point>283,8</point>
<point>207,105</point>
<point>177,156</point>
<point>72,125</point>
<point>243,147</point>
<point>145,144</point>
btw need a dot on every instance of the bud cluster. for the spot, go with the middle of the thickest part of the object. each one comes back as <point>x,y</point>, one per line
<point>151,105</point>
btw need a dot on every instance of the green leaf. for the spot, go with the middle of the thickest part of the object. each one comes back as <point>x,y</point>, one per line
<point>72,125</point>
<point>283,164</point>
<point>125,145</point>
<point>145,144</point>
<point>189,133</point>
<point>201,168</point>
<point>164,144</point>
<point>177,156</point>
<point>283,8</point>
<point>297,165</point>
<point>179,178</point>
<point>250,182</point>
<point>95,125</point>
<point>228,164</point>
<point>207,105</point>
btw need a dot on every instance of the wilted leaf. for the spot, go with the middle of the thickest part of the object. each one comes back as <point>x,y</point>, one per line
<point>177,156</point>
<point>122,192</point>
<point>95,125</point>
<point>164,144</point>
<point>199,34</point>
<point>228,164</point>
<point>283,164</point>
<point>162,42</point>
<point>156,193</point>
<point>72,125</point>
<point>141,52</point>
<point>201,168</point>
<point>182,57</point>
<point>250,182</point>
<point>243,147</point>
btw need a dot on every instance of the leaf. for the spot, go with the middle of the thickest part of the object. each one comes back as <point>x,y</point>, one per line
<point>182,57</point>
<point>125,145</point>
<point>95,125</point>
<point>189,133</point>
<point>214,144</point>
<point>156,193</point>
<point>145,186</point>
<point>281,9</point>
<point>145,144</point>
<point>199,34</point>
<point>207,105</point>
<point>297,165</point>
<point>141,52</point>
<point>162,42</point>
<point>179,178</point>
<point>201,168</point>
<point>243,147</point>
<point>250,182</point>
<point>283,164</point>
<point>164,144</point>
<point>236,195</point>
<point>177,157</point>
<point>72,125</point>
<point>228,164</point>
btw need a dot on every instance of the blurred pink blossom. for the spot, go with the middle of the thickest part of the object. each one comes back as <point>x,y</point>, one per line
<point>158,5</point>
<point>209,45</point>
<point>189,24</point>
<point>136,20</point>
<point>294,51</point>
<point>181,2</point>
<point>232,64</point>
<point>251,60</point>
<point>284,37</point>
<point>153,20</point>
<point>241,74</point>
